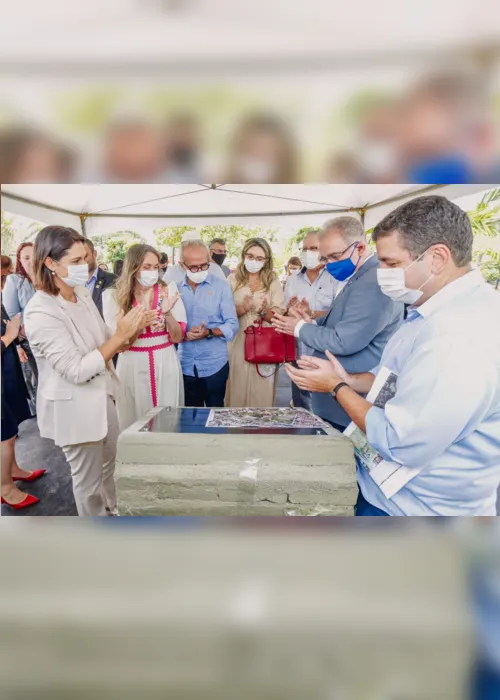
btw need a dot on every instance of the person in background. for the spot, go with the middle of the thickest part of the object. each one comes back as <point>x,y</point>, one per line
<point>117,267</point>
<point>176,273</point>
<point>163,265</point>
<point>257,296</point>
<point>30,156</point>
<point>441,429</point>
<point>311,290</point>
<point>73,350</point>
<point>211,324</point>
<point>104,267</point>
<point>292,268</point>
<point>15,410</point>
<point>182,150</point>
<point>99,279</point>
<point>7,268</point>
<point>361,319</point>
<point>18,291</point>
<point>133,151</point>
<point>148,366</point>
<point>218,254</point>
<point>262,151</point>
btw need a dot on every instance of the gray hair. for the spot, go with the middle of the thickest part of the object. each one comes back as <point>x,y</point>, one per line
<point>197,243</point>
<point>349,228</point>
<point>426,221</point>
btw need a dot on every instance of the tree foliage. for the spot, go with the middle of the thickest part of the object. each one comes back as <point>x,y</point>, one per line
<point>8,235</point>
<point>234,235</point>
<point>117,244</point>
<point>485,222</point>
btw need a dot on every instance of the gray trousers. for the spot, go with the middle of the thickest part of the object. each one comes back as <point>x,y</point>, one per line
<point>93,469</point>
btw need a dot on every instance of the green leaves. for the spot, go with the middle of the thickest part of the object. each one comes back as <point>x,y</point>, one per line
<point>234,235</point>
<point>485,218</point>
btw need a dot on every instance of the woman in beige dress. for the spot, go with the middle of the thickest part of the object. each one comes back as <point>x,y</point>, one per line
<point>257,294</point>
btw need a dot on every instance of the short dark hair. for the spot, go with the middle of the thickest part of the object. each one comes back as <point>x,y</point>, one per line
<point>88,242</point>
<point>220,241</point>
<point>426,221</point>
<point>52,242</point>
<point>163,258</point>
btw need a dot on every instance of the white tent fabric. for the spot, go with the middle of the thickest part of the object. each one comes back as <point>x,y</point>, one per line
<point>130,32</point>
<point>143,208</point>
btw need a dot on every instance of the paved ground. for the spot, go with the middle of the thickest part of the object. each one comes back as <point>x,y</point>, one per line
<point>54,489</point>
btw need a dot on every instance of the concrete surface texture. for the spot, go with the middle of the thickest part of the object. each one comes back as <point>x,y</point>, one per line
<point>273,614</point>
<point>227,474</point>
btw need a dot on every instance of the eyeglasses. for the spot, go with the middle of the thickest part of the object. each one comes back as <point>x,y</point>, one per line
<point>198,268</point>
<point>335,257</point>
<point>257,258</point>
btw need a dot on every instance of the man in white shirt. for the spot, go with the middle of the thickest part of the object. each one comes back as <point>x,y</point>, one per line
<point>440,433</point>
<point>311,290</point>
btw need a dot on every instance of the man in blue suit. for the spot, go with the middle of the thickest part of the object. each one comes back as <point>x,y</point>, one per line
<point>361,319</point>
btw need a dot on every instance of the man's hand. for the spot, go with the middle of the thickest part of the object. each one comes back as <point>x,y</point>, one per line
<point>304,307</point>
<point>293,302</point>
<point>299,314</point>
<point>285,324</point>
<point>22,355</point>
<point>197,332</point>
<point>318,375</point>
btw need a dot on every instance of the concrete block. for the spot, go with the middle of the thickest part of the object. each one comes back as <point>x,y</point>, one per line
<point>256,473</point>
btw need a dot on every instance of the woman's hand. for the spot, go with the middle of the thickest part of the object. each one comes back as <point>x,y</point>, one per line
<point>134,321</point>
<point>169,303</point>
<point>262,306</point>
<point>245,306</point>
<point>22,355</point>
<point>13,328</point>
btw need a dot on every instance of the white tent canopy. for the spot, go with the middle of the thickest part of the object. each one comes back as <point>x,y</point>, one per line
<point>134,34</point>
<point>103,209</point>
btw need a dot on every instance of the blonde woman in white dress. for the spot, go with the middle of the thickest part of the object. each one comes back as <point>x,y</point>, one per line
<point>148,368</point>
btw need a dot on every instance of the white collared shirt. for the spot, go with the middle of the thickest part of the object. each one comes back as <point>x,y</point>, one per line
<point>319,294</point>
<point>445,416</point>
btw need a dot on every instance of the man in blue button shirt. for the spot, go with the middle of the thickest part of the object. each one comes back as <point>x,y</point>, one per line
<point>441,430</point>
<point>211,323</point>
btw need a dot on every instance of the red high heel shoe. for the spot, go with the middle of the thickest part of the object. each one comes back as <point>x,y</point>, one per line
<point>28,501</point>
<point>35,475</point>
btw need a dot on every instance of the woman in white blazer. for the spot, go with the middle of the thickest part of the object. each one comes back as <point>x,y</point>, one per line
<point>73,349</point>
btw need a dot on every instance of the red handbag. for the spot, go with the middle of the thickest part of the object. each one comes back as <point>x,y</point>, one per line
<point>264,345</point>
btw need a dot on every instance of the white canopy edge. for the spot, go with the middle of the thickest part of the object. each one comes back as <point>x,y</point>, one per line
<point>99,224</point>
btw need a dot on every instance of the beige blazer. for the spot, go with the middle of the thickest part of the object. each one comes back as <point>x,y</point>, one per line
<point>72,387</point>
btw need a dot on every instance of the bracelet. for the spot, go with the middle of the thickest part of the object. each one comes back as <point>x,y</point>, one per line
<point>337,388</point>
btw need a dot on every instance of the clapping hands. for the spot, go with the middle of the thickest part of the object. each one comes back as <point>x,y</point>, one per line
<point>197,332</point>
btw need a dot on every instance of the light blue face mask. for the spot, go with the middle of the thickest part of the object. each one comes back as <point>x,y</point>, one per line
<point>342,269</point>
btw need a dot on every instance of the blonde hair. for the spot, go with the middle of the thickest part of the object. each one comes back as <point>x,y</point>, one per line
<point>131,265</point>
<point>267,274</point>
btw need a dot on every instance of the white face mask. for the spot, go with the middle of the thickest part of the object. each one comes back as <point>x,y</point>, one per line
<point>310,258</point>
<point>294,272</point>
<point>393,284</point>
<point>256,170</point>
<point>253,265</point>
<point>78,275</point>
<point>197,277</point>
<point>147,278</point>
<point>377,157</point>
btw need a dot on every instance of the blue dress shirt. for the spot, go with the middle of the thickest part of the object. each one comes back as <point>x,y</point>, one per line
<point>445,416</point>
<point>211,302</point>
<point>91,283</point>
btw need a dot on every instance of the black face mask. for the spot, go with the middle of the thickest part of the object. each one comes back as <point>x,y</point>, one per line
<point>218,258</point>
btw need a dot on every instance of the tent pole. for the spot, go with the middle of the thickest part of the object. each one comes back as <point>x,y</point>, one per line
<point>83,226</point>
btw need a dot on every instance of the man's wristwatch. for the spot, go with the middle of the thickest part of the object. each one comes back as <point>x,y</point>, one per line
<point>337,388</point>
<point>210,333</point>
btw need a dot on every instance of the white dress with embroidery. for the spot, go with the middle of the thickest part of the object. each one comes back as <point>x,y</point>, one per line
<point>150,372</point>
